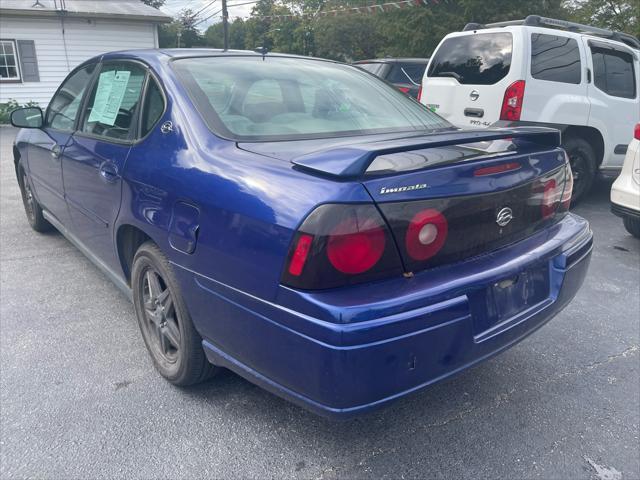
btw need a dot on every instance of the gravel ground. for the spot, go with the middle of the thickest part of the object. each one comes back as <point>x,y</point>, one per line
<point>79,397</point>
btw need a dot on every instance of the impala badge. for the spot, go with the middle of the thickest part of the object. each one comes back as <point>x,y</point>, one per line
<point>407,188</point>
<point>505,215</point>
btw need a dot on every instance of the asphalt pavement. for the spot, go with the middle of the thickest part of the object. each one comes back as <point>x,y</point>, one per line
<point>79,397</point>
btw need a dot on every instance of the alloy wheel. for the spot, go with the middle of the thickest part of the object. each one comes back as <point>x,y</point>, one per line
<point>28,199</point>
<point>161,320</point>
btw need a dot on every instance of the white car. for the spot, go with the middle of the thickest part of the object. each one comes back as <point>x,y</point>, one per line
<point>539,71</point>
<point>625,193</point>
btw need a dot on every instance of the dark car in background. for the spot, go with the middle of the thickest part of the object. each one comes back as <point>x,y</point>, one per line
<point>405,73</point>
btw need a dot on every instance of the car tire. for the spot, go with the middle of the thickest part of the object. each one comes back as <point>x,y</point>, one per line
<point>632,225</point>
<point>583,166</point>
<point>168,332</point>
<point>32,208</point>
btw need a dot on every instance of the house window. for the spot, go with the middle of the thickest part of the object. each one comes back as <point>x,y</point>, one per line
<point>8,61</point>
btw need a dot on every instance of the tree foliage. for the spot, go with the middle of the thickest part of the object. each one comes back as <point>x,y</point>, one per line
<point>155,3</point>
<point>412,31</point>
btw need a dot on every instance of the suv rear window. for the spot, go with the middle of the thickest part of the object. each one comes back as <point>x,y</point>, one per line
<point>478,59</point>
<point>555,58</point>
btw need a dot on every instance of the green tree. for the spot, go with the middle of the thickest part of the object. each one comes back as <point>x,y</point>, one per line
<point>618,15</point>
<point>155,3</point>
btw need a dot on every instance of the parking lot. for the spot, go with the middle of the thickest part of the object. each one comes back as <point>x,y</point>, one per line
<point>79,397</point>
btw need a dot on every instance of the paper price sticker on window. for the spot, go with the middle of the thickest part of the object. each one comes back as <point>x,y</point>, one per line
<point>112,86</point>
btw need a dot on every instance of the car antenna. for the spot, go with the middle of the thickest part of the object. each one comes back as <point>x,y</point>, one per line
<point>262,51</point>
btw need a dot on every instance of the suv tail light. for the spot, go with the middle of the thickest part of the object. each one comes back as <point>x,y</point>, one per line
<point>636,131</point>
<point>341,244</point>
<point>512,102</point>
<point>419,92</point>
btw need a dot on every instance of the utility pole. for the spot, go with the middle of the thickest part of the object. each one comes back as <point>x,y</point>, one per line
<point>225,24</point>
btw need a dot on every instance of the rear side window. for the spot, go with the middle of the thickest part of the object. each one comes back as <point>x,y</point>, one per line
<point>153,107</point>
<point>613,72</point>
<point>407,73</point>
<point>478,59</point>
<point>555,58</point>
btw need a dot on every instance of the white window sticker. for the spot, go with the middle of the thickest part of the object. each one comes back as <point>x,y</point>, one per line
<point>112,86</point>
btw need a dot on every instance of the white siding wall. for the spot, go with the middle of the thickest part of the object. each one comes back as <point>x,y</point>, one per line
<point>84,39</point>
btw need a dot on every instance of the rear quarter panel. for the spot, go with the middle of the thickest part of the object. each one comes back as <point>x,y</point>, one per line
<point>249,205</point>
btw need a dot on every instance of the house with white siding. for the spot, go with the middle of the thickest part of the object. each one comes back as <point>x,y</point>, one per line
<point>41,41</point>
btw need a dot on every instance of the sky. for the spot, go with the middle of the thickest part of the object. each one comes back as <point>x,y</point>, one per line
<point>174,7</point>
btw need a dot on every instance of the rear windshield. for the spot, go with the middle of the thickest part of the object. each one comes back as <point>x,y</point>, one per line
<point>374,67</point>
<point>477,59</point>
<point>407,73</point>
<point>279,98</point>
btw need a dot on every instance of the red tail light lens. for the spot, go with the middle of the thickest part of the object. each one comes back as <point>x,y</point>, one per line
<point>354,248</point>
<point>341,244</point>
<point>404,89</point>
<point>426,234</point>
<point>512,102</point>
<point>419,92</point>
<point>636,131</point>
<point>300,253</point>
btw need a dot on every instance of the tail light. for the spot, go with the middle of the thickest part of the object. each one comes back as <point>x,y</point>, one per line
<point>426,234</point>
<point>512,102</point>
<point>419,92</point>
<point>565,201</point>
<point>636,131</point>
<point>550,198</point>
<point>341,244</point>
<point>404,89</point>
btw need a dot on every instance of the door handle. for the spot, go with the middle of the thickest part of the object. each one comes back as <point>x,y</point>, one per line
<point>56,150</point>
<point>109,171</point>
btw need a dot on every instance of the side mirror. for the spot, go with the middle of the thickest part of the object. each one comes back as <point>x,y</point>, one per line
<point>27,117</point>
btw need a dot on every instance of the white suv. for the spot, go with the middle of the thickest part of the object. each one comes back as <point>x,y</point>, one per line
<point>582,80</point>
<point>625,192</point>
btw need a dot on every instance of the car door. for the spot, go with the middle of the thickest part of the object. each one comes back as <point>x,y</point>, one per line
<point>47,145</point>
<point>613,91</point>
<point>97,152</point>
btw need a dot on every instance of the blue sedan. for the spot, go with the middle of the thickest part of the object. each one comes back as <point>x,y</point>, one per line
<point>300,222</point>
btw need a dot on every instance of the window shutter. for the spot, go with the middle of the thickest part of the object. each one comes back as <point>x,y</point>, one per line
<point>28,60</point>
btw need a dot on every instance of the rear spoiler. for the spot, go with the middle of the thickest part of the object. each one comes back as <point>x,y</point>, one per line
<point>352,162</point>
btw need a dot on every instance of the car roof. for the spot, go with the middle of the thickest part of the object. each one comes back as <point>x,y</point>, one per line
<point>177,53</point>
<point>540,29</point>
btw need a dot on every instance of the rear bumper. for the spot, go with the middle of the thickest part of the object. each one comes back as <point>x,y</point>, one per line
<point>624,212</point>
<point>343,353</point>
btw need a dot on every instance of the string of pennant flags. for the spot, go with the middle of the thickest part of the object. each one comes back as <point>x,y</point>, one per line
<point>368,9</point>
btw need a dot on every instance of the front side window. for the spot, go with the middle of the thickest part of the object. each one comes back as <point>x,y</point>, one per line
<point>613,72</point>
<point>112,106</point>
<point>63,108</point>
<point>248,98</point>
<point>8,61</point>
<point>555,58</point>
<point>476,59</point>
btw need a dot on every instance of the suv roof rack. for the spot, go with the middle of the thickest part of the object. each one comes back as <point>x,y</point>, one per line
<point>538,21</point>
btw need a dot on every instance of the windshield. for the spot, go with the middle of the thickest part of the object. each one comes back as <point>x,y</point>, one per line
<point>476,59</point>
<point>279,98</point>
